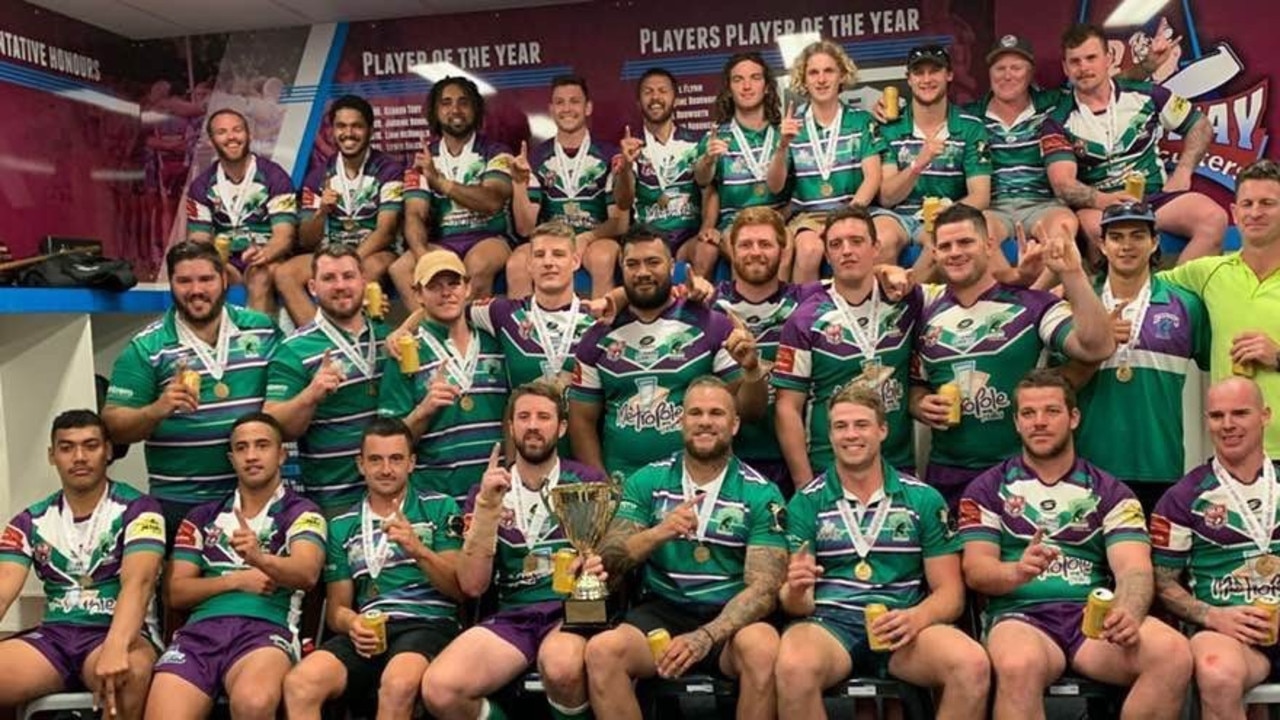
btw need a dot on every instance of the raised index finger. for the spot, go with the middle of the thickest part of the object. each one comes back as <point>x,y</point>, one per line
<point>1038,537</point>
<point>244,524</point>
<point>495,456</point>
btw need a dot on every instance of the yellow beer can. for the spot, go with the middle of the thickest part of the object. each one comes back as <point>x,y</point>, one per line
<point>951,392</point>
<point>658,641</point>
<point>376,621</point>
<point>872,612</point>
<point>1095,612</point>
<point>1272,605</point>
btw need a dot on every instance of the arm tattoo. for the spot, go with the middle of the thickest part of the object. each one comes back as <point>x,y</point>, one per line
<point>1134,589</point>
<point>1195,144</point>
<point>613,548</point>
<point>1078,195</point>
<point>766,568</point>
<point>1176,598</point>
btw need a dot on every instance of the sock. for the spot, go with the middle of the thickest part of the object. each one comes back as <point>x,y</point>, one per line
<point>490,711</point>
<point>560,712</point>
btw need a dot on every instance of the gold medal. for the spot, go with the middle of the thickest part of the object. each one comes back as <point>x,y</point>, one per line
<point>572,208</point>
<point>663,201</point>
<point>702,553</point>
<point>760,190</point>
<point>466,403</point>
<point>826,189</point>
<point>862,570</point>
<point>1266,565</point>
<point>1124,373</point>
<point>530,564</point>
<point>349,224</point>
<point>222,390</point>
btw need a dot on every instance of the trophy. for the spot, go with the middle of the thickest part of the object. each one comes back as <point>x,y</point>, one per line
<point>584,511</point>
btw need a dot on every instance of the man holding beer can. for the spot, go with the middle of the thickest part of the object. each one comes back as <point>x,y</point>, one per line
<point>514,541</point>
<point>864,535</point>
<point>240,566</point>
<point>391,588</point>
<point>1042,532</point>
<point>709,534</point>
<point>1217,526</point>
<point>322,384</point>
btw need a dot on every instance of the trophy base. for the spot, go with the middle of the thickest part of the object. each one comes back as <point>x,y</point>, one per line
<point>588,617</point>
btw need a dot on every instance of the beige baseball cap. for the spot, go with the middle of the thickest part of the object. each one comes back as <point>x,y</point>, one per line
<point>434,262</point>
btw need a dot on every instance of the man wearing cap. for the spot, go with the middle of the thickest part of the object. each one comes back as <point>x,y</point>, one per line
<point>1108,131</point>
<point>454,400</point>
<point>935,150</point>
<point>1158,327</point>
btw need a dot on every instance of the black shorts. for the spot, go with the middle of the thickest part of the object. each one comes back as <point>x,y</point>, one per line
<point>655,612</point>
<point>364,675</point>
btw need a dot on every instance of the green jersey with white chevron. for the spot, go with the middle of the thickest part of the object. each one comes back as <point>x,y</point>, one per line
<point>453,452</point>
<point>394,584</point>
<point>575,187</point>
<point>839,158</point>
<point>479,161</point>
<point>748,512</point>
<point>329,448</point>
<point>525,332</point>
<point>187,453</point>
<point>525,528</point>
<point>667,198</point>
<point>740,172</point>
<point>204,540</point>
<point>905,524</point>
<point>78,560</point>
<point>1082,515</point>
<point>1017,156</point>
<point>967,154</point>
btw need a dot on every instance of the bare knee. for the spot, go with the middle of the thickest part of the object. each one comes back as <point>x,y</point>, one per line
<point>969,672</point>
<point>755,650</point>
<point>797,670</point>
<point>442,689</point>
<point>1217,679</point>
<point>258,700</point>
<point>1020,671</point>
<point>562,670</point>
<point>399,687</point>
<point>605,651</point>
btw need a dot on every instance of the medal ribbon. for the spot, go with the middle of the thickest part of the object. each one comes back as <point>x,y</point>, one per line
<point>234,195</point>
<point>214,359</point>
<point>1262,525</point>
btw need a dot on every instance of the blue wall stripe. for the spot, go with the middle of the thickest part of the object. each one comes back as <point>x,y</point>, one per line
<point>318,108</point>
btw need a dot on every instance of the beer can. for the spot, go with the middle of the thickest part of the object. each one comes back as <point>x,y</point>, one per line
<point>191,379</point>
<point>561,578</point>
<point>222,244</point>
<point>1135,184</point>
<point>951,392</point>
<point>373,300</point>
<point>872,612</point>
<point>929,212</point>
<point>1244,369</point>
<point>890,98</point>
<point>1272,605</point>
<point>1095,612</point>
<point>377,622</point>
<point>408,346</point>
<point>658,641</point>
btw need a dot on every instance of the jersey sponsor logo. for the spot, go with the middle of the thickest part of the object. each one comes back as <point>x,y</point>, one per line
<point>615,350</point>
<point>193,208</point>
<point>1243,583</point>
<point>312,522</point>
<point>986,403</point>
<point>786,361</point>
<point>1215,516</point>
<point>147,526</point>
<point>1161,531</point>
<point>189,535</point>
<point>249,345</point>
<point>728,520</point>
<point>1055,143</point>
<point>1014,505</point>
<point>1130,514</point>
<point>115,392</point>
<point>970,513</point>
<point>829,531</point>
<point>454,527</point>
<point>1166,324</point>
<point>41,553</point>
<point>1074,570</point>
<point>12,540</point>
<point>172,656</point>
<point>656,414</point>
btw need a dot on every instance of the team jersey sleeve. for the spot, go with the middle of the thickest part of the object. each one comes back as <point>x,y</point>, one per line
<point>336,567</point>
<point>1122,517</point>
<point>199,210</point>
<point>282,201</point>
<point>133,379</point>
<point>979,519</point>
<point>793,367</point>
<point>1171,535</point>
<point>1193,275</point>
<point>286,375</point>
<point>308,526</point>
<point>15,542</point>
<point>718,328</point>
<point>188,544</point>
<point>1055,143</point>
<point>873,143</point>
<point>312,192</point>
<point>586,385</point>
<point>977,150</point>
<point>802,522</point>
<point>936,535</point>
<point>449,525</point>
<point>144,526</point>
<point>1056,325</point>
<point>498,165</point>
<point>768,519</point>
<point>636,504</point>
<point>1177,114</point>
<point>390,188</point>
<point>481,313</point>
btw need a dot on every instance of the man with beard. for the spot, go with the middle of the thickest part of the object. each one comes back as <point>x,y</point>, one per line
<point>322,383</point>
<point>980,336</point>
<point>848,333</point>
<point>1109,129</point>
<point>456,193</point>
<point>829,152</point>
<point>96,546</point>
<point>1242,290</point>
<point>660,166</point>
<point>453,402</point>
<point>834,525</point>
<point>1158,328</point>
<point>709,535</point>
<point>240,565</point>
<point>511,539</point>
<point>763,302</point>
<point>934,150</point>
<point>1041,531</point>
<point>353,199</point>
<point>392,552</point>
<point>181,382</point>
<point>569,178</point>
<point>1217,526</point>
<point>634,370</point>
<point>247,201</point>
<point>733,158</point>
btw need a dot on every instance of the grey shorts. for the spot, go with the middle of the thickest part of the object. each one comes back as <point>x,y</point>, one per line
<point>1027,212</point>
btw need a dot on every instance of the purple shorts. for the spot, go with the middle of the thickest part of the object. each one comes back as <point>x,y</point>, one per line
<point>66,647</point>
<point>950,481</point>
<point>202,652</point>
<point>460,245</point>
<point>1158,200</point>
<point>1059,620</point>
<point>525,627</point>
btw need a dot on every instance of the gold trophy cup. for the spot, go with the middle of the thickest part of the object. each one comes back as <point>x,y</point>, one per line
<point>584,511</point>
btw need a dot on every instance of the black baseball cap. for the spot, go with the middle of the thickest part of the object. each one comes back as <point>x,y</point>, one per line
<point>1015,44</point>
<point>1128,211</point>
<point>935,54</point>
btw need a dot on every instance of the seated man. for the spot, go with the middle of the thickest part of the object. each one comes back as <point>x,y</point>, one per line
<point>1214,526</point>
<point>96,545</point>
<point>709,534</point>
<point>915,572</point>
<point>241,566</point>
<point>1041,532</point>
<point>392,553</point>
<point>510,531</point>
